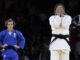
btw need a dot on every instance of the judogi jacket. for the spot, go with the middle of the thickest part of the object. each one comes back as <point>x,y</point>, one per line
<point>55,22</point>
<point>11,40</point>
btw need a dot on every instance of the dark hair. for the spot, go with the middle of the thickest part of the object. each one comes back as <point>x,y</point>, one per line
<point>59,4</point>
<point>10,20</point>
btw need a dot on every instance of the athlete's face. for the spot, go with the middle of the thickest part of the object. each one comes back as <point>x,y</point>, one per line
<point>10,25</point>
<point>59,10</point>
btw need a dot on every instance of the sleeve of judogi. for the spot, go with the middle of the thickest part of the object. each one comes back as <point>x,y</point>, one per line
<point>54,21</point>
<point>21,39</point>
<point>67,21</point>
<point>0,39</point>
<point>51,20</point>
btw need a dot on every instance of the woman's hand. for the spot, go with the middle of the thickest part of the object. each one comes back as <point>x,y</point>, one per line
<point>16,46</point>
<point>3,46</point>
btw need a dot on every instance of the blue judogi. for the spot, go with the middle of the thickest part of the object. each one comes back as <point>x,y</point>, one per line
<point>11,40</point>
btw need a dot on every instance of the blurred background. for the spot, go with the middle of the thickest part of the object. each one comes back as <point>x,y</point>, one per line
<point>32,19</point>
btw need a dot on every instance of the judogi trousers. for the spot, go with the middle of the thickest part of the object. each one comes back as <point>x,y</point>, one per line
<point>59,55</point>
<point>11,58</point>
<point>10,54</point>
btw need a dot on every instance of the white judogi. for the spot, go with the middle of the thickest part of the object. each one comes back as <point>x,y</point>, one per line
<point>59,45</point>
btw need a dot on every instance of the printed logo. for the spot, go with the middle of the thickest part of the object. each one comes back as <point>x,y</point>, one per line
<point>14,34</point>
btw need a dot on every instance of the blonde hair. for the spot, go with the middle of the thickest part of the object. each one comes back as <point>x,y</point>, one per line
<point>10,20</point>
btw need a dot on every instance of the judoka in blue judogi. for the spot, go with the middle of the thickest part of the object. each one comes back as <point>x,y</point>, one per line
<point>14,39</point>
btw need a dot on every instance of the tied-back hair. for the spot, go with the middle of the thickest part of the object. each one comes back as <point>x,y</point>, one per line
<point>59,4</point>
<point>10,20</point>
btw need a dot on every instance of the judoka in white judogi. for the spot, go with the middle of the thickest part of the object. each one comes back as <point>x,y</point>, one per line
<point>59,48</point>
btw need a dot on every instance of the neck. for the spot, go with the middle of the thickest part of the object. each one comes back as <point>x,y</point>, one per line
<point>10,30</point>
